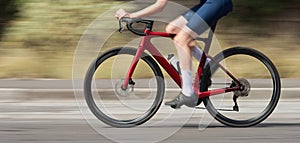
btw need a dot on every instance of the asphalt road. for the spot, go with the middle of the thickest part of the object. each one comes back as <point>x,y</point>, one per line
<point>49,119</point>
<point>56,121</point>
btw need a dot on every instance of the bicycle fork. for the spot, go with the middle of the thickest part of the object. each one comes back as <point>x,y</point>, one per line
<point>128,80</point>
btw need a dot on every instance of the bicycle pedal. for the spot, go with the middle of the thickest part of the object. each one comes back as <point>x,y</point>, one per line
<point>203,108</point>
<point>132,88</point>
<point>236,108</point>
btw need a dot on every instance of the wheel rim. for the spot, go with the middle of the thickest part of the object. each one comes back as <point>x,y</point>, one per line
<point>131,110</point>
<point>262,98</point>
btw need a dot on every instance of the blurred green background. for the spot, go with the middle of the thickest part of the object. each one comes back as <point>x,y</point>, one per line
<point>38,38</point>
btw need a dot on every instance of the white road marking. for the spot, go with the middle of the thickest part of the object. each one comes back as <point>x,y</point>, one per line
<point>110,90</point>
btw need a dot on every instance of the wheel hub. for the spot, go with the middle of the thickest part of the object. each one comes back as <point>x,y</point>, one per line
<point>120,91</point>
<point>244,90</point>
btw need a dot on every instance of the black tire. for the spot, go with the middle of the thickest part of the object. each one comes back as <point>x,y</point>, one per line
<point>100,112</point>
<point>272,96</point>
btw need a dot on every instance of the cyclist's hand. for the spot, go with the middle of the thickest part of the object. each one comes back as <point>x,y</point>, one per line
<point>121,13</point>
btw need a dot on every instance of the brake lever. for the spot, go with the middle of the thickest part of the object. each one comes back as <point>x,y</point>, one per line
<point>122,21</point>
<point>121,25</point>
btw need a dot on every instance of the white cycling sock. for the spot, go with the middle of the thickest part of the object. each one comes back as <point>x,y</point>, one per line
<point>186,75</point>
<point>187,82</point>
<point>197,53</point>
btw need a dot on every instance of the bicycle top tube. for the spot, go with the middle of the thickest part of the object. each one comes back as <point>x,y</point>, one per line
<point>148,29</point>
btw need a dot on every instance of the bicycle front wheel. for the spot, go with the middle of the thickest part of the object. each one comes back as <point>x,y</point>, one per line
<point>116,106</point>
<point>260,93</point>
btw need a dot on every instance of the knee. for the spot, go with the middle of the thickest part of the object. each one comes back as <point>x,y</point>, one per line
<point>183,40</point>
<point>172,29</point>
<point>180,42</point>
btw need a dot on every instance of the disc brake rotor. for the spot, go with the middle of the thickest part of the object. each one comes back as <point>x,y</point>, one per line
<point>120,91</point>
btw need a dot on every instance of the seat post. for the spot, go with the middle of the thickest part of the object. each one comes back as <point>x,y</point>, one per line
<point>208,40</point>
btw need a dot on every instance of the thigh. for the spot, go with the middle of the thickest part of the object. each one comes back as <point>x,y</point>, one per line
<point>184,39</point>
<point>176,25</point>
<point>208,14</point>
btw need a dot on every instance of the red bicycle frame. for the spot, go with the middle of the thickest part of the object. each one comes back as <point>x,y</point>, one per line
<point>146,44</point>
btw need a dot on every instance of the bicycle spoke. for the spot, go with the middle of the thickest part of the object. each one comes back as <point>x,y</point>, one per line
<point>259,93</point>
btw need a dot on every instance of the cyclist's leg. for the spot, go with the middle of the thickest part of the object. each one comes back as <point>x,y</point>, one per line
<point>208,13</point>
<point>203,16</point>
<point>184,43</point>
<point>175,27</point>
<point>187,97</point>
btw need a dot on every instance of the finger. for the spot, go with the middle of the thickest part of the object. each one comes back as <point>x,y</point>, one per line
<point>120,11</point>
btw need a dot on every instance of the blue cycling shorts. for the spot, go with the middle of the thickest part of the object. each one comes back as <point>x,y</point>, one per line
<point>206,14</point>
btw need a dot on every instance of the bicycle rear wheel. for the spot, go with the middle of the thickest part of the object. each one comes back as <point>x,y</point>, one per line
<point>261,91</point>
<point>116,106</point>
